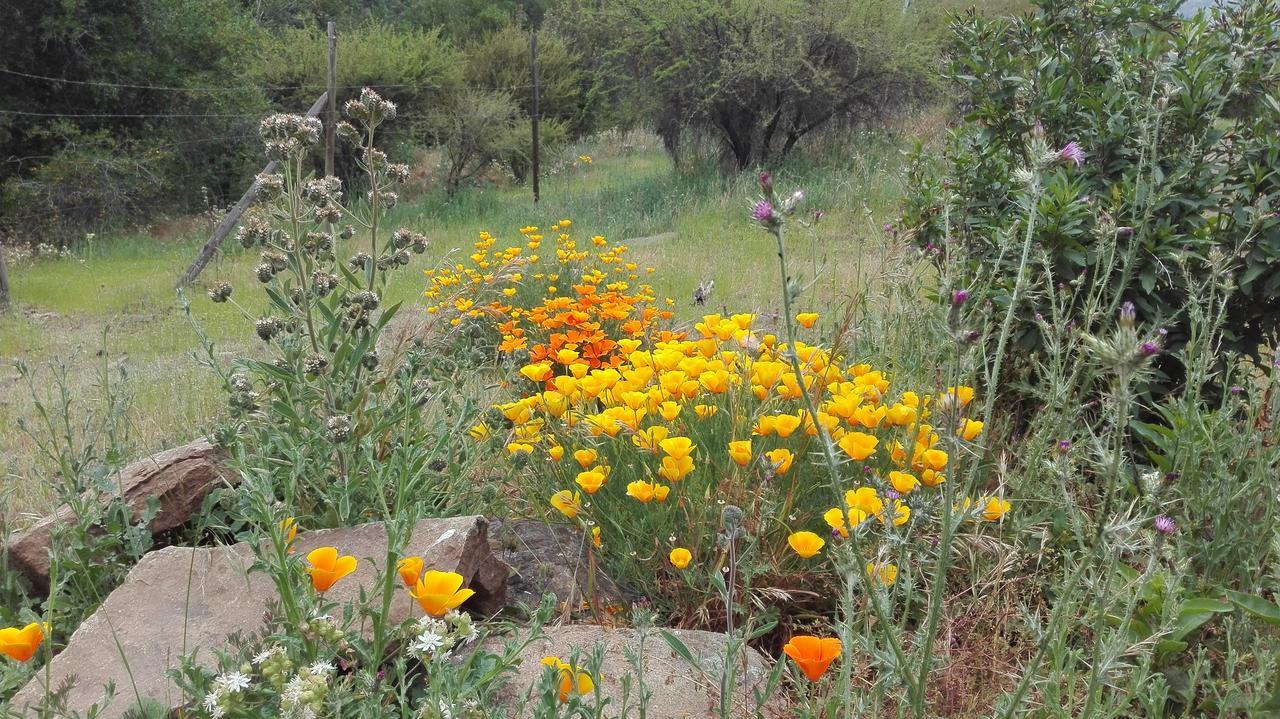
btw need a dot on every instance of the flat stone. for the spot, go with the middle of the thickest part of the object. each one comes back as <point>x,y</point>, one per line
<point>677,689</point>
<point>178,479</point>
<point>553,559</point>
<point>182,601</point>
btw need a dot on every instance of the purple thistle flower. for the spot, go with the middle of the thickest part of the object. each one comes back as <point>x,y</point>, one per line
<point>1063,446</point>
<point>766,182</point>
<point>1072,152</point>
<point>959,297</point>
<point>1165,524</point>
<point>1149,348</point>
<point>763,212</point>
<point>892,494</point>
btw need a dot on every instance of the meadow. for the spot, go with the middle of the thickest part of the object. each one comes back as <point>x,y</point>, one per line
<point>110,311</point>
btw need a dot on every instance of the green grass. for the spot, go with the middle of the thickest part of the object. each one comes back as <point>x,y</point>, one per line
<point>115,305</point>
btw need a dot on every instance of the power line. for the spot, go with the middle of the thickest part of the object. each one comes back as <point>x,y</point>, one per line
<point>129,114</point>
<point>240,88</point>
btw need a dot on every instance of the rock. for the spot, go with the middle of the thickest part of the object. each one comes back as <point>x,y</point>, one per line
<point>677,689</point>
<point>180,601</point>
<point>179,479</point>
<point>551,559</point>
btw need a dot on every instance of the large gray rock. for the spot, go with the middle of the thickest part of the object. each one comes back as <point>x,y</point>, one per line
<point>180,601</point>
<point>553,559</point>
<point>677,689</point>
<point>178,479</point>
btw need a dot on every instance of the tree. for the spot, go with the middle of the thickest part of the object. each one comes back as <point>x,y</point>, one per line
<point>759,75</point>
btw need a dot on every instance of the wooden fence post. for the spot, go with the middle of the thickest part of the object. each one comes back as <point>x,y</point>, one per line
<point>220,232</point>
<point>5,302</point>
<point>533,76</point>
<point>331,121</point>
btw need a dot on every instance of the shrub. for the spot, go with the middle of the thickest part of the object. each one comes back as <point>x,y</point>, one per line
<point>1177,122</point>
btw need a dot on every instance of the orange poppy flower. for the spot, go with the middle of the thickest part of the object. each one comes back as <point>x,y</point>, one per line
<point>327,567</point>
<point>812,654</point>
<point>21,644</point>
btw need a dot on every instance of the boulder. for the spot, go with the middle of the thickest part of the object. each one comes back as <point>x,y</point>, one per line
<point>178,479</point>
<point>182,601</point>
<point>677,689</point>
<point>552,559</point>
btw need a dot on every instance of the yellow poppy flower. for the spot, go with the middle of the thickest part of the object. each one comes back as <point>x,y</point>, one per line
<point>591,481</point>
<point>21,644</point>
<point>885,573</point>
<point>585,457</point>
<point>970,429</point>
<point>995,509</point>
<point>438,592</point>
<point>806,544</point>
<point>780,459</point>
<point>327,567</point>
<point>409,569</point>
<point>740,452</point>
<point>680,557</point>
<point>677,447</point>
<point>572,681</point>
<point>858,445</point>
<point>569,503</point>
<point>807,319</point>
<point>903,482</point>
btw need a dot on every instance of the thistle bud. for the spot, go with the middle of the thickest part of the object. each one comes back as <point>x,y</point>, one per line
<point>339,428</point>
<point>220,292</point>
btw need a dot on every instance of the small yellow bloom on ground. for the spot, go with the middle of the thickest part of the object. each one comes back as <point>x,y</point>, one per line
<point>680,557</point>
<point>885,573</point>
<point>858,445</point>
<point>740,452</point>
<point>780,459</point>
<point>571,680</point>
<point>569,503</point>
<point>806,544</point>
<point>995,509</point>
<point>807,319</point>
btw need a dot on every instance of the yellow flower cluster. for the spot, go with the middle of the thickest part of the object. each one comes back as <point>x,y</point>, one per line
<point>729,383</point>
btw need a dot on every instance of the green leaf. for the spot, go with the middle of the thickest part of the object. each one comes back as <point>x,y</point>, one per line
<point>1263,609</point>
<point>679,648</point>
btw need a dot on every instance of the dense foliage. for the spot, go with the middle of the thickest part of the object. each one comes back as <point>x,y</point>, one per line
<point>1171,185</point>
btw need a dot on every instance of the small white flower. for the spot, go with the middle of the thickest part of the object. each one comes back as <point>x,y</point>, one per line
<point>234,682</point>
<point>210,702</point>
<point>266,654</point>
<point>292,691</point>
<point>320,669</point>
<point>426,643</point>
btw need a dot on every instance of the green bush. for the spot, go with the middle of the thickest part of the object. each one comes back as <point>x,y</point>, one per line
<point>500,62</point>
<point>1178,120</point>
<point>416,69</point>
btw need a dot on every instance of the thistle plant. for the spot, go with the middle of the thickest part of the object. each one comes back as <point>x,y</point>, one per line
<point>334,425</point>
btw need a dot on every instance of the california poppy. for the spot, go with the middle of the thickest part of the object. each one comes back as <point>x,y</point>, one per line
<point>21,644</point>
<point>438,592</point>
<point>410,568</point>
<point>327,567</point>
<point>812,654</point>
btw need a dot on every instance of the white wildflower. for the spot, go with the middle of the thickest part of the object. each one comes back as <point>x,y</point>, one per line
<point>233,683</point>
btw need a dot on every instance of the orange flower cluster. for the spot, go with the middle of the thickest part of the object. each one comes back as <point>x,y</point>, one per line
<point>590,321</point>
